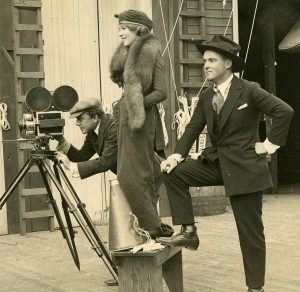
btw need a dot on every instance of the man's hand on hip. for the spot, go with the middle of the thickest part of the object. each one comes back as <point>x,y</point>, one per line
<point>260,148</point>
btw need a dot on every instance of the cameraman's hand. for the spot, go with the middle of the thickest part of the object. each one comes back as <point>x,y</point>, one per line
<point>62,158</point>
<point>59,138</point>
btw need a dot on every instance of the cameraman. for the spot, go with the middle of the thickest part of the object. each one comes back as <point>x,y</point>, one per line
<point>101,138</point>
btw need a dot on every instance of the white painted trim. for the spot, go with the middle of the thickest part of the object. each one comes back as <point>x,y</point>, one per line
<point>235,21</point>
<point>3,212</point>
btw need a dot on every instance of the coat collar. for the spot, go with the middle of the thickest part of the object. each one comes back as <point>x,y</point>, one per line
<point>102,130</point>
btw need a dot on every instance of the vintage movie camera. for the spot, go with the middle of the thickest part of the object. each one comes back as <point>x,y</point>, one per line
<point>46,117</point>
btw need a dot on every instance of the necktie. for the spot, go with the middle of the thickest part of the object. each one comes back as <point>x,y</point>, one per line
<point>218,100</point>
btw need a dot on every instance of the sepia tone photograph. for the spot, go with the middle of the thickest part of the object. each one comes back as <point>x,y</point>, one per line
<point>150,145</point>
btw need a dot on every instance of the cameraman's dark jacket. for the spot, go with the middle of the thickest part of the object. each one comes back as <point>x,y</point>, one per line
<point>105,145</point>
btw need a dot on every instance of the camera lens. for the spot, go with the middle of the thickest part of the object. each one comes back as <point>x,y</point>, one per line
<point>27,124</point>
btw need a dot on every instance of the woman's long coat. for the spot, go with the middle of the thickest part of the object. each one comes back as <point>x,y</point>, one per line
<point>140,70</point>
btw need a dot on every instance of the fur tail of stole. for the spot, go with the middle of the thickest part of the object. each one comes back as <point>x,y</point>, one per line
<point>135,105</point>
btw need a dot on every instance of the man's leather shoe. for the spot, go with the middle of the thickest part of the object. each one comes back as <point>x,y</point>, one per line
<point>185,238</point>
<point>256,290</point>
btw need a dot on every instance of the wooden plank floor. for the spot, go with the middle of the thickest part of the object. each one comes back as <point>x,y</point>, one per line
<point>41,261</point>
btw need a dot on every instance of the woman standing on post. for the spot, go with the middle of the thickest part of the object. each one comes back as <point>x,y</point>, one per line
<point>137,67</point>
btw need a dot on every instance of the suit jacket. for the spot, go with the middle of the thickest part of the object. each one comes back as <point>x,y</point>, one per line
<point>105,146</point>
<point>242,169</point>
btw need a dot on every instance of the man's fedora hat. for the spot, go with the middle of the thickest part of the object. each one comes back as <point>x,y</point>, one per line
<point>225,47</point>
<point>86,105</point>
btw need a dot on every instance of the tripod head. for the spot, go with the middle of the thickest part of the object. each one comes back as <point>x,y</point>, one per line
<point>41,148</point>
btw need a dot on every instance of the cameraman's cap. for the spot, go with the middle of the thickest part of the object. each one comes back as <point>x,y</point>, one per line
<point>89,104</point>
<point>132,16</point>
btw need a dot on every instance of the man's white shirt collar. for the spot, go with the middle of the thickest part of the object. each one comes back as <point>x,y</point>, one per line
<point>97,129</point>
<point>224,87</point>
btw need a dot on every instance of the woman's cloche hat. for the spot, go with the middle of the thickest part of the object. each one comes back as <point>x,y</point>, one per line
<point>133,16</point>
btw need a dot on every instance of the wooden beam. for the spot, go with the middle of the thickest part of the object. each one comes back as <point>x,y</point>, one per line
<point>191,61</point>
<point>192,13</point>
<point>268,47</point>
<point>29,51</point>
<point>38,214</point>
<point>194,37</point>
<point>28,27</point>
<point>27,3</point>
<point>34,192</point>
<point>8,57</point>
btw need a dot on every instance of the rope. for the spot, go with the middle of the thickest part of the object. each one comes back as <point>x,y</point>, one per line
<point>230,16</point>
<point>138,229</point>
<point>250,37</point>
<point>171,65</point>
<point>168,42</point>
<point>162,114</point>
<point>183,116</point>
<point>3,117</point>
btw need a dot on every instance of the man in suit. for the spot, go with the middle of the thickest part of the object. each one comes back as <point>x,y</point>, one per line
<point>101,138</point>
<point>232,110</point>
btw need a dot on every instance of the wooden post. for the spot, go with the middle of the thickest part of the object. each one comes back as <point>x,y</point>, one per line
<point>268,47</point>
<point>7,89</point>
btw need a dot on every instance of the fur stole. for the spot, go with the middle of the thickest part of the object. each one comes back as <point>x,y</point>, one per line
<point>133,67</point>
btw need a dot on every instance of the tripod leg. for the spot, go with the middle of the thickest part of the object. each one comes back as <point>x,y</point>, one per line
<point>71,245</point>
<point>16,181</point>
<point>66,212</point>
<point>89,235</point>
<point>81,206</point>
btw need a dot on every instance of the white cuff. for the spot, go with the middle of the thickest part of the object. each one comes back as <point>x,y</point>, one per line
<point>177,157</point>
<point>270,147</point>
<point>74,169</point>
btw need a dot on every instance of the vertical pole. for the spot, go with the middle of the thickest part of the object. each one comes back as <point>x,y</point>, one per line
<point>268,47</point>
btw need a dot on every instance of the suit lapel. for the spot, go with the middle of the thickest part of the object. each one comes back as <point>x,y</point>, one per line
<point>233,94</point>
<point>101,131</point>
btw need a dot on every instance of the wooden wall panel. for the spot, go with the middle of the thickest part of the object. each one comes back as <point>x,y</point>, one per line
<point>72,57</point>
